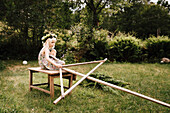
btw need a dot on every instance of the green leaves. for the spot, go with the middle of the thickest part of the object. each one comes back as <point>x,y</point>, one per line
<point>125,49</point>
<point>157,48</point>
<point>88,83</point>
<point>143,19</point>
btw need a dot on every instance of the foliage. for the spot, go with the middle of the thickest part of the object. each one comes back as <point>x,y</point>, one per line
<point>61,15</point>
<point>89,83</point>
<point>143,19</point>
<point>15,48</point>
<point>82,27</point>
<point>27,21</point>
<point>2,65</point>
<point>69,57</point>
<point>164,3</point>
<point>99,49</point>
<point>125,48</point>
<point>93,10</point>
<point>89,44</point>
<point>82,41</point>
<point>157,48</point>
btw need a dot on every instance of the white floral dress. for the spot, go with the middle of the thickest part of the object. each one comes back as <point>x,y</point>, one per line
<point>44,64</point>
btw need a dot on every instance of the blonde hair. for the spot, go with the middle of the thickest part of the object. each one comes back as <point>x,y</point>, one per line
<point>48,41</point>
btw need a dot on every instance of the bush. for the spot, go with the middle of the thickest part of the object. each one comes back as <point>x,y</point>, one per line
<point>157,48</point>
<point>15,47</point>
<point>83,36</point>
<point>99,48</point>
<point>2,66</point>
<point>125,48</point>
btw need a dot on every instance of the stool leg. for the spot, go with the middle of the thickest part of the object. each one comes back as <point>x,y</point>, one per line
<point>31,79</point>
<point>70,82</point>
<point>51,86</point>
<point>48,81</point>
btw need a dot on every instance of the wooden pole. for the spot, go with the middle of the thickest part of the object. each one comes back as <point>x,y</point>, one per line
<point>61,83</point>
<point>84,63</point>
<point>77,64</point>
<point>77,83</point>
<point>119,88</point>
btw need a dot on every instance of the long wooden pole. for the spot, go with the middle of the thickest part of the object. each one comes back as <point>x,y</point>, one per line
<point>77,83</point>
<point>77,64</point>
<point>119,88</point>
<point>61,83</point>
<point>84,63</point>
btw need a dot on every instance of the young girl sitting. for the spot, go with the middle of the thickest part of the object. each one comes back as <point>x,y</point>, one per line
<point>47,56</point>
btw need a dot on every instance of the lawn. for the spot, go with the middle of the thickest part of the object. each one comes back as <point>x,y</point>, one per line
<point>149,79</point>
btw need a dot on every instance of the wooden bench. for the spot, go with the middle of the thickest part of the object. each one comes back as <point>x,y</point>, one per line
<point>51,76</point>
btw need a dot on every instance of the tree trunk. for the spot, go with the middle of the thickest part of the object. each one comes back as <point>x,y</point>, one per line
<point>95,19</point>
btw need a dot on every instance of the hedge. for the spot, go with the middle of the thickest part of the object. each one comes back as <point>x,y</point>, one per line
<point>125,49</point>
<point>157,48</point>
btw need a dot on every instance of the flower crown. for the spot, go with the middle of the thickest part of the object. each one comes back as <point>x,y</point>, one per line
<point>50,35</point>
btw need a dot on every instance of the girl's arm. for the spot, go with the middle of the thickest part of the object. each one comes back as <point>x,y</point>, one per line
<point>53,52</point>
<point>53,55</point>
<point>47,52</point>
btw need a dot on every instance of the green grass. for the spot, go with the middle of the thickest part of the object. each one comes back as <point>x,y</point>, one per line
<point>149,79</point>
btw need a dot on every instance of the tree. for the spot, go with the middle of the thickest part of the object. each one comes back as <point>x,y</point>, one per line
<point>94,9</point>
<point>164,3</point>
<point>29,19</point>
<point>143,20</point>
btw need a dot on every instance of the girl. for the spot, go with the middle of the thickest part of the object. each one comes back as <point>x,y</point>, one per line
<point>47,56</point>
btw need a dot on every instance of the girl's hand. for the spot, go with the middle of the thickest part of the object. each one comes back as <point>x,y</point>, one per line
<point>59,65</point>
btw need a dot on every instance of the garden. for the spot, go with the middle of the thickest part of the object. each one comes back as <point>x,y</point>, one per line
<point>148,79</point>
<point>132,35</point>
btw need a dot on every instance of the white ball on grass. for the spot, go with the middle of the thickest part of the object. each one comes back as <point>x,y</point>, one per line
<point>24,62</point>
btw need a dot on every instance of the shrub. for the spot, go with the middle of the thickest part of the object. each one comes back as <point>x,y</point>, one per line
<point>15,47</point>
<point>125,48</point>
<point>2,66</point>
<point>83,36</point>
<point>157,47</point>
<point>99,48</point>
<point>69,57</point>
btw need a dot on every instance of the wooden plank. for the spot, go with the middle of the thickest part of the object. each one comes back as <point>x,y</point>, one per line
<point>38,69</point>
<point>119,88</point>
<point>77,83</point>
<point>46,91</point>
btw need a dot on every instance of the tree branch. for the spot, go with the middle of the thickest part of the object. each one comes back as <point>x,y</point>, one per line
<point>102,7</point>
<point>98,4</point>
<point>88,4</point>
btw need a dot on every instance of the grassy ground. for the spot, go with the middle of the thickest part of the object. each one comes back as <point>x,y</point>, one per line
<point>149,79</point>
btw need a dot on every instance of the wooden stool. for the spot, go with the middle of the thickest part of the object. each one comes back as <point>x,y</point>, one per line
<point>51,76</point>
